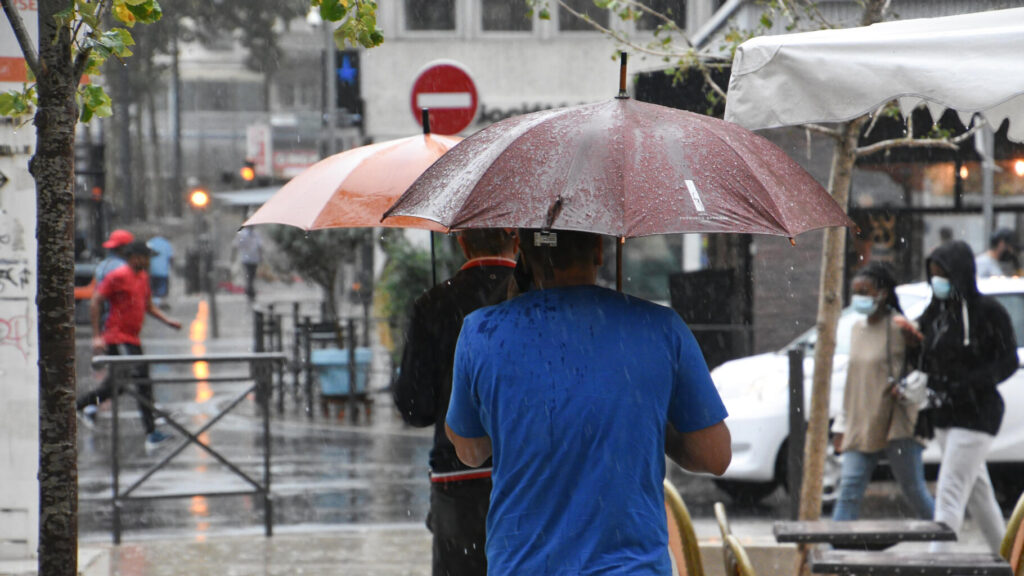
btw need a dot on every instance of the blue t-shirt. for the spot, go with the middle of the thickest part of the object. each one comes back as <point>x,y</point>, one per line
<point>574,387</point>
<point>160,263</point>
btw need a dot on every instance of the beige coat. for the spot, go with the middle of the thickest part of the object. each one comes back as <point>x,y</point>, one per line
<point>872,415</point>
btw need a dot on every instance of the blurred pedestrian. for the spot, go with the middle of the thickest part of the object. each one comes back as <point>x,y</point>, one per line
<point>580,392</point>
<point>115,258</point>
<point>128,292</point>
<point>874,422</point>
<point>969,347</point>
<point>458,494</point>
<point>1001,257</point>
<point>250,252</point>
<point>160,265</point>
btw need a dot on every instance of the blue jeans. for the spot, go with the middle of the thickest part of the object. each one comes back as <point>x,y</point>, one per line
<point>904,456</point>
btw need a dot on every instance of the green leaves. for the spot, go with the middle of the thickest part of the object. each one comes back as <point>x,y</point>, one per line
<point>93,101</point>
<point>131,11</point>
<point>14,103</point>
<point>358,20</point>
<point>113,42</point>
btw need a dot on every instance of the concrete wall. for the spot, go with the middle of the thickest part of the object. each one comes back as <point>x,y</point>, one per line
<point>19,375</point>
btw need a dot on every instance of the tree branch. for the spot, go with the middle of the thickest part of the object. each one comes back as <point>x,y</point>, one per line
<point>24,40</point>
<point>911,142</point>
<point>82,58</point>
<point>824,130</point>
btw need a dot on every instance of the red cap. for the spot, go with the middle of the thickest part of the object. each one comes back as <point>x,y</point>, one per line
<point>119,238</point>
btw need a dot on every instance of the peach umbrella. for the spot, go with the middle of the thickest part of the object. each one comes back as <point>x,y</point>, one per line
<point>354,188</point>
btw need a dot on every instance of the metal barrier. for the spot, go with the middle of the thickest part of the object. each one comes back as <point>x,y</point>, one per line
<point>260,373</point>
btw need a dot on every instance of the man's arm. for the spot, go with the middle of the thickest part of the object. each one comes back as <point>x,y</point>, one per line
<point>471,451</point>
<point>95,311</point>
<point>705,450</point>
<point>159,315</point>
<point>415,390</point>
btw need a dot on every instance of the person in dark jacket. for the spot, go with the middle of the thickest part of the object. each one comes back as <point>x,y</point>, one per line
<point>969,347</point>
<point>459,495</point>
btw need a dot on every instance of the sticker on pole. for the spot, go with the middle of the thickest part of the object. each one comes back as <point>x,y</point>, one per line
<point>447,90</point>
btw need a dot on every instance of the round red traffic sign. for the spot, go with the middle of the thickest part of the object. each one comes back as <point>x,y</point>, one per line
<point>447,90</point>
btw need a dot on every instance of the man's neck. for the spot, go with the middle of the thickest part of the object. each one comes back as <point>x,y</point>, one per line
<point>578,276</point>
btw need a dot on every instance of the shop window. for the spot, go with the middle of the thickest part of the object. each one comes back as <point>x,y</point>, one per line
<point>674,9</point>
<point>426,15</point>
<point>569,22</point>
<point>505,16</point>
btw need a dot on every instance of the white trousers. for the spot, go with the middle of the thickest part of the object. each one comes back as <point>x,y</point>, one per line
<point>964,485</point>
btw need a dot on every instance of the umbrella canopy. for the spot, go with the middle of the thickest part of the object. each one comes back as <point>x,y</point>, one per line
<point>622,168</point>
<point>971,62</point>
<point>353,188</point>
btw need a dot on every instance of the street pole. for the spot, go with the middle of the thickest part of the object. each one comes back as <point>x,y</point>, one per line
<point>331,94</point>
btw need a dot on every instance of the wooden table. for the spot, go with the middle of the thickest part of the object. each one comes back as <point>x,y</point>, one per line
<point>907,563</point>
<point>861,534</point>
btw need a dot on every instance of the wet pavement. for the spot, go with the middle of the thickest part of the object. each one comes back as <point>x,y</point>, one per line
<point>349,496</point>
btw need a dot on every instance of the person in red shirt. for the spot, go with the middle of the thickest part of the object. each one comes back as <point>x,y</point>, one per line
<point>127,291</point>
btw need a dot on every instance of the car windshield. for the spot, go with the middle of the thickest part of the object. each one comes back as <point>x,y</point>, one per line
<point>913,305</point>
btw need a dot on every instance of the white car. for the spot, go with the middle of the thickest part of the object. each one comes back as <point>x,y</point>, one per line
<point>755,391</point>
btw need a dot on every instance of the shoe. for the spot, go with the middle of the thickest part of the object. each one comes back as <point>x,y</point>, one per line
<point>87,416</point>
<point>155,439</point>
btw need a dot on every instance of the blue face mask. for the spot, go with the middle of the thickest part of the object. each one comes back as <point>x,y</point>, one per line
<point>863,304</point>
<point>941,287</point>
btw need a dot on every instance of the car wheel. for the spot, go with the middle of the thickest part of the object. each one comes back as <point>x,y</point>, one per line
<point>829,480</point>
<point>1007,482</point>
<point>746,492</point>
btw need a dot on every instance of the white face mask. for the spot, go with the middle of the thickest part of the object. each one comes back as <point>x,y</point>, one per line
<point>941,287</point>
<point>864,304</point>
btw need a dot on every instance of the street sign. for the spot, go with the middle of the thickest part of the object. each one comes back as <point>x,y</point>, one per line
<point>446,88</point>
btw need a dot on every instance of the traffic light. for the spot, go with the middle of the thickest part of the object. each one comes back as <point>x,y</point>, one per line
<point>199,198</point>
<point>248,171</point>
<point>347,81</point>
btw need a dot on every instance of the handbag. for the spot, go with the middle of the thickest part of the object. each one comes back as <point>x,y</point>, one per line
<point>913,389</point>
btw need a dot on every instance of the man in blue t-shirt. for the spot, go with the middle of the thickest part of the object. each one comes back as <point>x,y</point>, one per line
<point>579,391</point>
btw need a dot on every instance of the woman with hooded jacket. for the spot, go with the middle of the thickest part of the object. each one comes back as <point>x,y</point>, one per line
<point>969,347</point>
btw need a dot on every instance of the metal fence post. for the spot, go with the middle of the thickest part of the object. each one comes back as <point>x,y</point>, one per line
<point>296,341</point>
<point>797,429</point>
<point>307,345</point>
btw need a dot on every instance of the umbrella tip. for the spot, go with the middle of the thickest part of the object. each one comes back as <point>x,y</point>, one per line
<point>425,117</point>
<point>622,76</point>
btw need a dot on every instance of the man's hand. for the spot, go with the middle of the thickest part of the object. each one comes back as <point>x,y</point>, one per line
<point>173,323</point>
<point>912,335</point>
<point>98,345</point>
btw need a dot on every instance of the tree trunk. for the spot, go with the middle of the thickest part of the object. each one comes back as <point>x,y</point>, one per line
<point>160,205</point>
<point>830,302</point>
<point>53,170</point>
<point>145,197</point>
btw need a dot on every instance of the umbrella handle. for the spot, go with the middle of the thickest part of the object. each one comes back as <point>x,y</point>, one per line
<point>425,117</point>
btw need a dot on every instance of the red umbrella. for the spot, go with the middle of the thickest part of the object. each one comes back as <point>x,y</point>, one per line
<point>622,168</point>
<point>352,189</point>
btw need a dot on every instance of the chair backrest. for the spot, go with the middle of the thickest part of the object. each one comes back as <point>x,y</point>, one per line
<point>1012,548</point>
<point>737,561</point>
<point>682,537</point>
<point>728,558</point>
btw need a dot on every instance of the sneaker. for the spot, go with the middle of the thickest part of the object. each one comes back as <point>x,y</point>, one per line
<point>155,439</point>
<point>87,416</point>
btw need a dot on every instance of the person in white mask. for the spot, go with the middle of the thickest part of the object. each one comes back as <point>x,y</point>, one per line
<point>876,421</point>
<point>969,347</point>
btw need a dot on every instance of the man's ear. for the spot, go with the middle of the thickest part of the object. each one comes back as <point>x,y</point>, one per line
<point>462,244</point>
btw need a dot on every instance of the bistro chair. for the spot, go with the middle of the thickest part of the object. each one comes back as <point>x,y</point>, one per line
<point>1012,548</point>
<point>734,556</point>
<point>682,538</point>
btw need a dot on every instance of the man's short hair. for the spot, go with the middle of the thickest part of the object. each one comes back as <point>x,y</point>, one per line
<point>558,249</point>
<point>1003,235</point>
<point>138,248</point>
<point>485,241</point>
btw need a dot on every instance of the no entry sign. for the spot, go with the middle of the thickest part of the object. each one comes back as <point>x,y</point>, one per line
<point>446,88</point>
